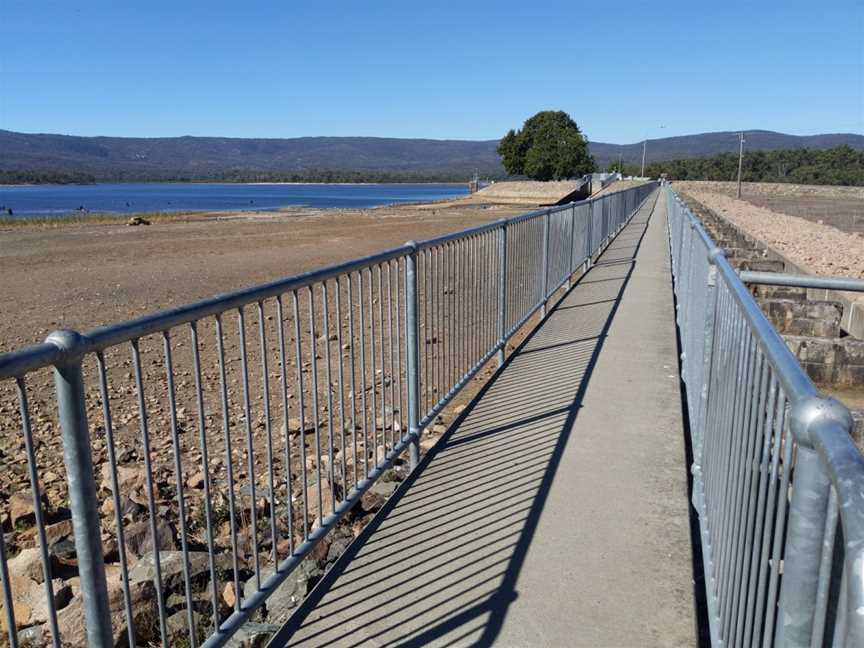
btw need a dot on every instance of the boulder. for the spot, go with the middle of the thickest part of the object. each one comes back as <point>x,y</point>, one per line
<point>343,537</point>
<point>171,566</point>
<point>293,425</point>
<point>137,220</point>
<point>374,498</point>
<point>138,538</point>
<point>291,591</point>
<point>62,530</point>
<point>21,510</point>
<point>131,479</point>
<point>27,564</point>
<point>145,613</point>
<point>178,625</point>
<point>64,553</point>
<point>29,602</point>
<point>252,635</point>
<point>129,510</point>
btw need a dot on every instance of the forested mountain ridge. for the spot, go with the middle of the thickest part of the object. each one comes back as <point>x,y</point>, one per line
<point>338,158</point>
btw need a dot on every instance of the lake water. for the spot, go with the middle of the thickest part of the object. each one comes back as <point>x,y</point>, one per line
<point>63,200</point>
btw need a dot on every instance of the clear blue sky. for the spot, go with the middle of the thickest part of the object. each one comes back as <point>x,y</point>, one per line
<point>466,70</point>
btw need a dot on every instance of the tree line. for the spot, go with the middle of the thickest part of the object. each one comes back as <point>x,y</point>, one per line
<point>9,177</point>
<point>235,176</point>
<point>841,165</point>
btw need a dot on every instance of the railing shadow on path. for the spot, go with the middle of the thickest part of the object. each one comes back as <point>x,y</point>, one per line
<point>440,562</point>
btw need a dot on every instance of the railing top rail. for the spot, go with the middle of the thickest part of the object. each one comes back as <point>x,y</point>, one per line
<point>20,362</point>
<point>802,281</point>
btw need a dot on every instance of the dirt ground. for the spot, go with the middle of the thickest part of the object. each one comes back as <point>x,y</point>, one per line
<point>84,276</point>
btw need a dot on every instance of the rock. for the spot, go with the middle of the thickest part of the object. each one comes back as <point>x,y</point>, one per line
<point>59,531</point>
<point>171,564</point>
<point>196,481</point>
<point>30,604</point>
<point>252,635</point>
<point>131,480</point>
<point>427,442</point>
<point>21,509</point>
<point>229,596</point>
<point>65,553</point>
<point>294,425</point>
<point>139,538</point>
<point>128,509</point>
<point>319,551</point>
<point>459,409</point>
<point>145,614</point>
<point>374,498</point>
<point>137,220</point>
<point>326,497</point>
<point>37,635</point>
<point>62,596</point>
<point>27,564</point>
<point>21,604</point>
<point>359,524</point>
<point>292,590</point>
<point>178,624</point>
<point>339,544</point>
<point>438,429</point>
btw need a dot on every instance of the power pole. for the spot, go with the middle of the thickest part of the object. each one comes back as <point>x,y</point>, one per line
<point>644,144</point>
<point>740,160</point>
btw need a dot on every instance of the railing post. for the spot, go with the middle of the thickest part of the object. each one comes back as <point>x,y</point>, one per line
<point>590,236</point>
<point>412,354</point>
<point>69,386</point>
<point>707,353</point>
<point>545,280</point>
<point>571,260</point>
<point>502,289</point>
<point>808,510</point>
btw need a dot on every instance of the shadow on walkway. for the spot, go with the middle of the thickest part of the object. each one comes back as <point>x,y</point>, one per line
<point>439,565</point>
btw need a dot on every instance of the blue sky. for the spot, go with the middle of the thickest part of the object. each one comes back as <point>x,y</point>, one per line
<point>462,70</point>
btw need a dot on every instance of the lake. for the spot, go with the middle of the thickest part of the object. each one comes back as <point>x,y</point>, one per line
<point>63,200</point>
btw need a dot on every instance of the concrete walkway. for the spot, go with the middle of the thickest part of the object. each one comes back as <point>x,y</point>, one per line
<point>555,512</point>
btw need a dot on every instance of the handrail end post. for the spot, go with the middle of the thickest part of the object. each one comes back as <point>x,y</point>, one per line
<point>77,456</point>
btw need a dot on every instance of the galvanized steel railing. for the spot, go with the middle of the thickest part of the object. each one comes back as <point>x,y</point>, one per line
<point>276,427</point>
<point>777,481</point>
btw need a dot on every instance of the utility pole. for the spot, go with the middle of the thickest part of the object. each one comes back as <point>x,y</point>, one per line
<point>644,144</point>
<point>740,160</point>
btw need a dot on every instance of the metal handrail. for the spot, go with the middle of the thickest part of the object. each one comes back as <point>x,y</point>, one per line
<point>468,292</point>
<point>759,429</point>
<point>802,281</point>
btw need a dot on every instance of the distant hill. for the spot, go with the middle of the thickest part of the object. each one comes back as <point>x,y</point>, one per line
<point>705,144</point>
<point>134,158</point>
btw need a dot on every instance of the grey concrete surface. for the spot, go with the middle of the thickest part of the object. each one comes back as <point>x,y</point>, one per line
<point>555,512</point>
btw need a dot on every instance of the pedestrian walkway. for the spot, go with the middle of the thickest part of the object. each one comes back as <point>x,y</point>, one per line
<point>554,512</point>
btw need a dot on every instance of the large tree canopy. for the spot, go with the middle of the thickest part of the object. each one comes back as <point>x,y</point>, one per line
<point>549,146</point>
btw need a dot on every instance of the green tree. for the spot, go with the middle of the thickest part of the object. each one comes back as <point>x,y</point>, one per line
<point>549,146</point>
<point>615,166</point>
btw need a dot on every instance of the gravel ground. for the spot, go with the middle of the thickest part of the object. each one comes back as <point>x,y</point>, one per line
<point>817,247</point>
<point>840,207</point>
